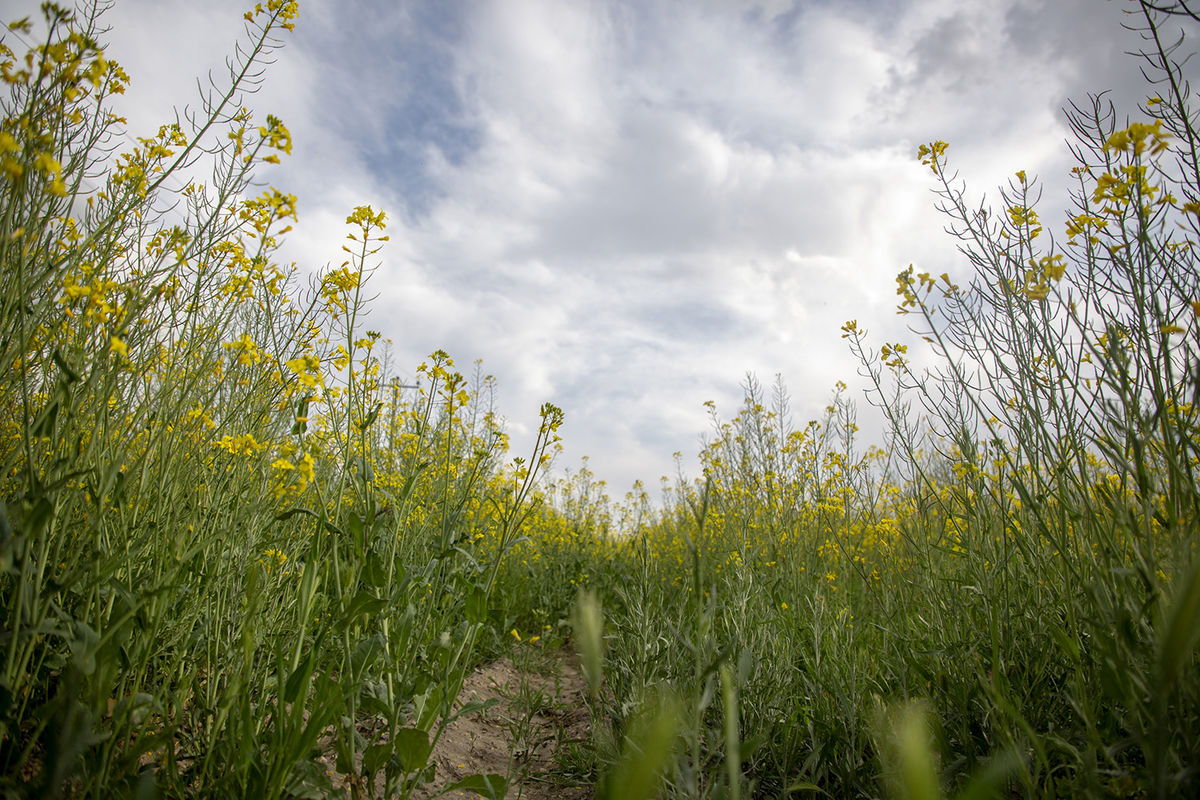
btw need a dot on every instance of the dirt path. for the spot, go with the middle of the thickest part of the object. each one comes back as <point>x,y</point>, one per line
<point>538,721</point>
<point>539,717</point>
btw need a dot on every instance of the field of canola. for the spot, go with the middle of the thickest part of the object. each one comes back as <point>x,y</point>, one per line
<point>229,547</point>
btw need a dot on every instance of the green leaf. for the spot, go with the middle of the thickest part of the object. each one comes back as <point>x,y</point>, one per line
<point>301,413</point>
<point>428,704</point>
<point>84,646</point>
<point>477,605</point>
<point>355,528</point>
<point>43,423</point>
<point>646,752</point>
<point>39,517</point>
<point>373,574</point>
<point>473,707</point>
<point>363,604</point>
<point>410,483</point>
<point>374,415</point>
<point>291,512</point>
<point>299,677</point>
<point>376,756</point>
<point>494,787</point>
<point>309,780</point>
<point>412,748</point>
<point>1182,630</point>
<point>71,375</point>
<point>369,704</point>
<point>989,780</point>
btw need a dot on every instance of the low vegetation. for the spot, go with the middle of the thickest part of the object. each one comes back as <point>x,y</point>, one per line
<point>233,550</point>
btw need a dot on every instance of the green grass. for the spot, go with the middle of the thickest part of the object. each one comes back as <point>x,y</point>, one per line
<point>229,547</point>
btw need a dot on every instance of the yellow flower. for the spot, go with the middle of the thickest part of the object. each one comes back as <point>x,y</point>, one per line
<point>246,349</point>
<point>1139,136</point>
<point>244,445</point>
<point>276,135</point>
<point>272,557</point>
<point>46,164</point>
<point>119,347</point>
<point>931,154</point>
<point>308,369</point>
<point>305,468</point>
<point>366,217</point>
<point>11,168</point>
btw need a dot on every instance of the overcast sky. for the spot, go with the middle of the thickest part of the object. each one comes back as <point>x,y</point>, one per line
<point>624,207</point>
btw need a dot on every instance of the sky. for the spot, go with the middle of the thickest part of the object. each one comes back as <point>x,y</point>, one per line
<point>626,207</point>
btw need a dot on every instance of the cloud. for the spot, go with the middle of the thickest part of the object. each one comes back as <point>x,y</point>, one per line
<point>623,207</point>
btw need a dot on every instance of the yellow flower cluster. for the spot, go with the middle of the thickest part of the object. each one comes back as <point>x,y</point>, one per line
<point>242,445</point>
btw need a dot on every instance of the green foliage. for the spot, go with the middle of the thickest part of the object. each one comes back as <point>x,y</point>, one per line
<point>226,548</point>
<point>229,550</point>
<point>1004,600</point>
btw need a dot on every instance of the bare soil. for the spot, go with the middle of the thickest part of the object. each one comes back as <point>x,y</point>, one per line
<point>541,711</point>
<point>539,716</point>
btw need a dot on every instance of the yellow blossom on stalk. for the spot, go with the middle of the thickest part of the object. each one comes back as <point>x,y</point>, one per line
<point>308,369</point>
<point>367,341</point>
<point>907,287</point>
<point>1087,224</point>
<point>286,11</point>
<point>931,154</point>
<point>282,466</point>
<point>306,471</point>
<point>338,285</point>
<point>11,167</point>
<point>119,347</point>
<point>276,135</point>
<point>46,164</point>
<point>243,445</point>
<point>341,358</point>
<point>245,348</point>
<point>367,218</point>
<point>345,279</point>
<point>273,557</point>
<point>1025,217</point>
<point>893,356</point>
<point>1118,189</point>
<point>1041,273</point>
<point>203,416</point>
<point>1138,137</point>
<point>272,205</point>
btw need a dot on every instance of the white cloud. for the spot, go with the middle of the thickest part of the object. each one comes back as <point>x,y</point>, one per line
<point>623,207</point>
